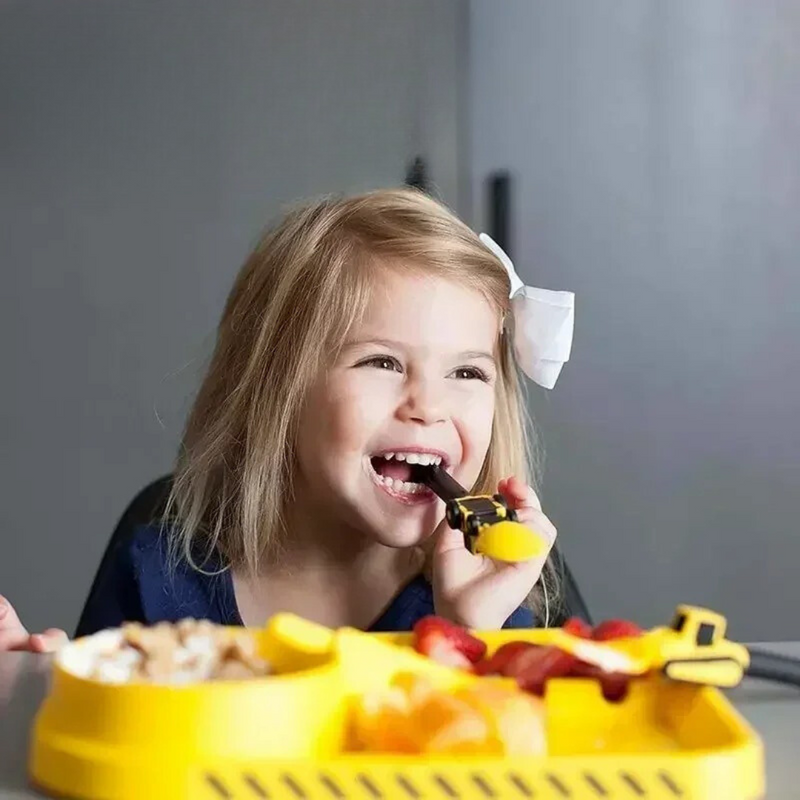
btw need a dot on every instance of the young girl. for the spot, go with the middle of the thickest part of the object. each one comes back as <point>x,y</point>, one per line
<point>362,335</point>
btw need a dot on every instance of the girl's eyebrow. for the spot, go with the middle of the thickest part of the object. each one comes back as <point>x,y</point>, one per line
<point>476,354</point>
<point>466,355</point>
<point>380,342</point>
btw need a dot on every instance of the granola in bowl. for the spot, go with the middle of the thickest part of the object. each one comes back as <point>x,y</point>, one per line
<point>186,652</point>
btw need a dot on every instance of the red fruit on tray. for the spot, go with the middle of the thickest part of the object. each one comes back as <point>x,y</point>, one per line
<point>447,643</point>
<point>577,627</point>
<point>498,662</point>
<point>614,685</point>
<point>533,668</point>
<point>530,665</point>
<point>615,629</point>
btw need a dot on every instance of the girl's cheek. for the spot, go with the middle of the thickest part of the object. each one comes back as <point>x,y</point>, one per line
<point>356,409</point>
<point>475,428</point>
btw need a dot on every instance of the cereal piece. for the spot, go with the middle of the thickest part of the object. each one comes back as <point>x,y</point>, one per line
<point>158,639</point>
<point>243,644</point>
<point>233,671</point>
<point>243,650</point>
<point>117,667</point>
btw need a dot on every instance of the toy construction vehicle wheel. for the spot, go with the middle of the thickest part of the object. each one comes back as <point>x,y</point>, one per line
<point>498,498</point>
<point>510,513</point>
<point>473,528</point>
<point>454,516</point>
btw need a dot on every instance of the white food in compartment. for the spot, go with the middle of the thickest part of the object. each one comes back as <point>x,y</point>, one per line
<point>108,657</point>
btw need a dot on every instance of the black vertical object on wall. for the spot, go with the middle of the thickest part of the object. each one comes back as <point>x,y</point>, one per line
<point>417,175</point>
<point>500,209</point>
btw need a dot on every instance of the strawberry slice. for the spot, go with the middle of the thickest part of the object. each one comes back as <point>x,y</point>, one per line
<point>499,661</point>
<point>577,627</point>
<point>534,667</point>
<point>616,629</point>
<point>447,643</point>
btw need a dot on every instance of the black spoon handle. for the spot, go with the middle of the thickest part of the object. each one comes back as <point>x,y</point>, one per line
<point>773,667</point>
<point>443,484</point>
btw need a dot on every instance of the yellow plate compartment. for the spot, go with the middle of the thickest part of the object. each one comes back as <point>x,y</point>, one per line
<point>285,737</point>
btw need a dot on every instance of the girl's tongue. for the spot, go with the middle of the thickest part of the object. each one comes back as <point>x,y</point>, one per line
<point>396,470</point>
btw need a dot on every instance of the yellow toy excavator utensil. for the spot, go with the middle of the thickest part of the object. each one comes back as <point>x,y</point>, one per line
<point>692,649</point>
<point>489,526</point>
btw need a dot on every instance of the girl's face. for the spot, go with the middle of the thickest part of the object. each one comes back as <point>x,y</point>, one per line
<point>413,385</point>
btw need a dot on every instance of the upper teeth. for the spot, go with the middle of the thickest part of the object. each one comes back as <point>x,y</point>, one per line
<point>425,459</point>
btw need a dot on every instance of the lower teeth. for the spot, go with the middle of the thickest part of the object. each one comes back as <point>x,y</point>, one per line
<point>401,486</point>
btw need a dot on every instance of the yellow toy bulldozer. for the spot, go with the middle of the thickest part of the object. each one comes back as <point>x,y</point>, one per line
<point>692,649</point>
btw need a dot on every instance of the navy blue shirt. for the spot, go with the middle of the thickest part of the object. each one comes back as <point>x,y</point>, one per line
<point>135,584</point>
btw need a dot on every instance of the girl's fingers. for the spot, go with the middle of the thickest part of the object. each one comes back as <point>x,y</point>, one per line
<point>524,500</point>
<point>518,494</point>
<point>538,522</point>
<point>8,616</point>
<point>48,642</point>
<point>13,635</point>
<point>13,640</point>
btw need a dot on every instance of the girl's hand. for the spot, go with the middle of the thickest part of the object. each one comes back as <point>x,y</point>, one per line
<point>474,591</point>
<point>14,636</point>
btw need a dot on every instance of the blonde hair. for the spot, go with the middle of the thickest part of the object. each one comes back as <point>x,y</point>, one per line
<point>297,295</point>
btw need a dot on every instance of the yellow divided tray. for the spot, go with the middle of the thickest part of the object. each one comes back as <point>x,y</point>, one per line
<point>285,737</point>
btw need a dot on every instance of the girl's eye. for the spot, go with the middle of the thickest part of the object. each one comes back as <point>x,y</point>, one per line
<point>382,362</point>
<point>470,374</point>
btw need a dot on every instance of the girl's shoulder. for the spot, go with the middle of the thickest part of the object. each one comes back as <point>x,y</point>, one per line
<point>138,581</point>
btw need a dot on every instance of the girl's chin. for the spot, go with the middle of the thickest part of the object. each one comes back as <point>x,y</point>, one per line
<point>399,526</point>
<point>402,539</point>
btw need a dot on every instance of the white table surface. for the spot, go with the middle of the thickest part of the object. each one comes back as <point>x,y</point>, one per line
<point>773,710</point>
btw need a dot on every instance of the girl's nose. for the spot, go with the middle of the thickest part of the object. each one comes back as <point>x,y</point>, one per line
<point>422,404</point>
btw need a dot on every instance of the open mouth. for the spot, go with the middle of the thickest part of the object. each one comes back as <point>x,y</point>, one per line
<point>402,475</point>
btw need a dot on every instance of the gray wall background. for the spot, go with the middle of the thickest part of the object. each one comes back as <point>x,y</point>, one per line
<point>654,146</point>
<point>143,145</point>
<point>656,152</point>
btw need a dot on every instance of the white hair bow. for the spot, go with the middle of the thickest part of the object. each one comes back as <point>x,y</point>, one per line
<point>543,324</point>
